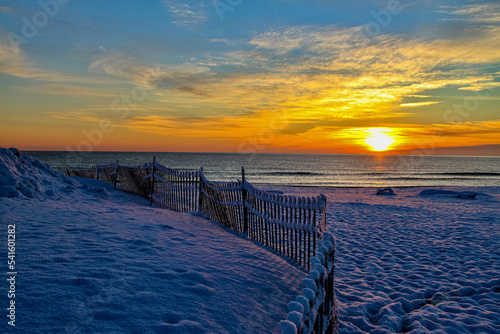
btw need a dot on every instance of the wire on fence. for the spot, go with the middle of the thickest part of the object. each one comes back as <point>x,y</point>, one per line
<point>134,179</point>
<point>106,172</point>
<point>222,202</point>
<point>89,173</point>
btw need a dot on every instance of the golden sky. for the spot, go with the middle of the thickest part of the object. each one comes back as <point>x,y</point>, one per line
<point>290,76</point>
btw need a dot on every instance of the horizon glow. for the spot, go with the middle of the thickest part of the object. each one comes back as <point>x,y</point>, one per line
<point>289,76</point>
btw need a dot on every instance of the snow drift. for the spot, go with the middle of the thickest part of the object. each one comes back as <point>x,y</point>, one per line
<point>23,176</point>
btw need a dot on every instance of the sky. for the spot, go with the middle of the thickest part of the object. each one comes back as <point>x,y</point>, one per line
<point>281,76</point>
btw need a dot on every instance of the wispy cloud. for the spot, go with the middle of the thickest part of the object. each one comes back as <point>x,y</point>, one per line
<point>480,86</point>
<point>419,104</point>
<point>74,90</point>
<point>186,14</point>
<point>13,62</point>
<point>486,13</point>
<point>169,76</point>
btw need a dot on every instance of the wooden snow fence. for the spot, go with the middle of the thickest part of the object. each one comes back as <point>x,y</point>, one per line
<point>134,179</point>
<point>314,310</point>
<point>223,202</point>
<point>294,227</point>
<point>175,190</point>
<point>89,173</point>
<point>106,172</point>
<point>100,172</point>
<point>290,225</point>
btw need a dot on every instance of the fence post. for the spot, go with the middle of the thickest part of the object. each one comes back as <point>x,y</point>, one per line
<point>244,196</point>
<point>153,180</point>
<point>96,173</point>
<point>116,175</point>
<point>200,187</point>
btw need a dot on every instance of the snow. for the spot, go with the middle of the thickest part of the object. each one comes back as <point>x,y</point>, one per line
<point>90,259</point>
<point>23,176</point>
<point>426,260</point>
<point>288,327</point>
<point>94,260</point>
<point>385,191</point>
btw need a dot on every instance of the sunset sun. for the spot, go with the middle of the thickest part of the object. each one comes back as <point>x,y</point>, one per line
<point>378,140</point>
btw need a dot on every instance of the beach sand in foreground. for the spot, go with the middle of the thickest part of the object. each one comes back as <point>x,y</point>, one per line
<point>423,260</point>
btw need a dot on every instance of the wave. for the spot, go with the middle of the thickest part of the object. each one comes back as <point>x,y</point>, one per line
<point>468,174</point>
<point>427,174</point>
<point>290,173</point>
<point>408,178</point>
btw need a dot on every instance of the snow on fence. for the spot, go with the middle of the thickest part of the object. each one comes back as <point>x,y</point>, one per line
<point>290,225</point>
<point>175,190</point>
<point>314,310</point>
<point>106,172</point>
<point>294,227</point>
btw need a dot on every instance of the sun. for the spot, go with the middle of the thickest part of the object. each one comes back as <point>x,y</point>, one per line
<point>378,140</point>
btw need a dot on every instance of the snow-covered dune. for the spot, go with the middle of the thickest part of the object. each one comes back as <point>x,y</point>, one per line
<point>93,260</point>
<point>23,176</point>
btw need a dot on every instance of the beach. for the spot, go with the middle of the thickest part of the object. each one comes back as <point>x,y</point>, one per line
<point>423,260</point>
<point>93,259</point>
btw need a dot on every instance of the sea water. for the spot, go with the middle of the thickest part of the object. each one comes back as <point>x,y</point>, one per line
<point>343,170</point>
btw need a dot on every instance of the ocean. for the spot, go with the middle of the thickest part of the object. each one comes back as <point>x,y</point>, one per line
<point>338,170</point>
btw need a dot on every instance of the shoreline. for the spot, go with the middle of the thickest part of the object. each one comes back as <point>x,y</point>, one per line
<point>372,187</point>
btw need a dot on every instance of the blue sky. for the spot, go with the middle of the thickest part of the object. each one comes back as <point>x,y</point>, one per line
<point>221,75</point>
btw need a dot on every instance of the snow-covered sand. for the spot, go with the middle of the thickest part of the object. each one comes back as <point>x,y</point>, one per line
<point>93,260</point>
<point>415,263</point>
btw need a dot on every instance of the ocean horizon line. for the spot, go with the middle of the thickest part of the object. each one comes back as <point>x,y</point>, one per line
<point>384,154</point>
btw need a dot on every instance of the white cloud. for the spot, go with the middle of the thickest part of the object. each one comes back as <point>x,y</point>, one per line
<point>185,14</point>
<point>487,13</point>
<point>150,75</point>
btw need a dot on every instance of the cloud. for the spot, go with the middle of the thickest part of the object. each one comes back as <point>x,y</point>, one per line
<point>13,62</point>
<point>475,129</point>
<point>73,115</point>
<point>67,89</point>
<point>185,14</point>
<point>480,86</point>
<point>487,13</point>
<point>148,75</point>
<point>419,104</point>
<point>320,79</point>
